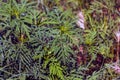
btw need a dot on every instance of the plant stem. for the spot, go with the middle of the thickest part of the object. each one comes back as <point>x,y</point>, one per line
<point>117,52</point>
<point>90,61</point>
<point>19,64</point>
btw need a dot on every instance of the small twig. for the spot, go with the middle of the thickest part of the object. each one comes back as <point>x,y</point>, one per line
<point>16,75</point>
<point>102,63</point>
<point>38,2</point>
<point>117,52</point>
<point>2,69</point>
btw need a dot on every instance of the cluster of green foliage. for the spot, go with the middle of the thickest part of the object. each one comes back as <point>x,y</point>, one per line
<point>37,39</point>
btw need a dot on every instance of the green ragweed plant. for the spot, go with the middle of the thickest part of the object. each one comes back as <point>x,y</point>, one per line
<point>99,33</point>
<point>14,13</point>
<point>60,38</point>
<point>90,36</point>
<point>15,33</point>
<point>55,69</point>
<point>62,32</point>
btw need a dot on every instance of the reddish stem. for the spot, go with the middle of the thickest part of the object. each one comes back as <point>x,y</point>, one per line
<point>117,52</point>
